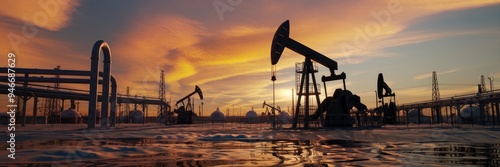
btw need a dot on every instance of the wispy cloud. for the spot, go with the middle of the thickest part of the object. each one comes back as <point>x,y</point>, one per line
<point>50,15</point>
<point>428,75</point>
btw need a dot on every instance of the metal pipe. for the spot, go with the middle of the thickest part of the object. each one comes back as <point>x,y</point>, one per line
<point>25,99</point>
<point>35,104</point>
<point>94,70</point>
<point>112,111</point>
<point>47,71</point>
<point>105,91</point>
<point>48,80</point>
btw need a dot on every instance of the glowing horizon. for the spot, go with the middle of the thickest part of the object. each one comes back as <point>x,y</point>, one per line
<point>223,47</point>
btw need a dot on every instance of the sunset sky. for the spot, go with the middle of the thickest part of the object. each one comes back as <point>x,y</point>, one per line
<point>224,46</point>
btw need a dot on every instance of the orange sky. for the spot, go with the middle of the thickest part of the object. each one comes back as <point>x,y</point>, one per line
<point>228,55</point>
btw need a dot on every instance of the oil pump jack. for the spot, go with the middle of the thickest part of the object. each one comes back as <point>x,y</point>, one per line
<point>337,114</point>
<point>389,110</point>
<point>273,108</point>
<point>185,111</point>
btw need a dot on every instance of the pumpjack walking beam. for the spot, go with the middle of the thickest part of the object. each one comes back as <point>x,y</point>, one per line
<point>196,90</point>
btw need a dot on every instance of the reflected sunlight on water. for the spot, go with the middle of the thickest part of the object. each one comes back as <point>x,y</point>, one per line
<point>253,152</point>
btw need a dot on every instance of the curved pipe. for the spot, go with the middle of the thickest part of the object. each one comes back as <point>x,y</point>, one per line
<point>94,72</point>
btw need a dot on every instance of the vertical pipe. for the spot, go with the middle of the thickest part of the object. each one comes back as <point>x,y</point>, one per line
<point>35,103</point>
<point>94,71</point>
<point>459,120</point>
<point>497,110</point>
<point>112,115</point>
<point>493,113</point>
<point>105,93</point>
<point>452,117</point>
<point>419,115</point>
<point>25,99</point>
<point>471,116</point>
<point>433,111</point>
<point>143,113</point>
<point>407,117</point>
<point>447,118</point>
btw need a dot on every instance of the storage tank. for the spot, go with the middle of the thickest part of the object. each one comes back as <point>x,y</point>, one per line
<point>284,117</point>
<point>217,116</point>
<point>251,117</point>
<point>413,117</point>
<point>466,112</point>
<point>136,116</point>
<point>70,116</point>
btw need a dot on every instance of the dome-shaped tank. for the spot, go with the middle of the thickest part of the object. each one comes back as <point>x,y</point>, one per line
<point>136,116</point>
<point>413,113</point>
<point>217,116</point>
<point>466,112</point>
<point>284,117</point>
<point>414,117</point>
<point>251,117</point>
<point>70,116</point>
<point>471,114</point>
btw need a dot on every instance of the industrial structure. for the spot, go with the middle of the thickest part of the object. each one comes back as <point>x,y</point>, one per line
<point>185,111</point>
<point>387,109</point>
<point>108,97</point>
<point>162,109</point>
<point>335,114</point>
<point>334,111</point>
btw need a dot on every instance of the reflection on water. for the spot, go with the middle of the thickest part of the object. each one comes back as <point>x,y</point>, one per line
<point>280,152</point>
<point>463,154</point>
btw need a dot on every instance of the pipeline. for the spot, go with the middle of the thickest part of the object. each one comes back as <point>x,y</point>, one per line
<point>72,80</point>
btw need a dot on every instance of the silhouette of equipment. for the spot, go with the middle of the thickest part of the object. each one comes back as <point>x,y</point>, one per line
<point>338,107</point>
<point>273,108</point>
<point>343,101</point>
<point>389,110</point>
<point>185,111</point>
<point>381,86</point>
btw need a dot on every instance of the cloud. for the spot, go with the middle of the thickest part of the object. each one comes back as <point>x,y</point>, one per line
<point>445,5</point>
<point>229,60</point>
<point>241,31</point>
<point>51,14</point>
<point>428,75</point>
<point>156,43</point>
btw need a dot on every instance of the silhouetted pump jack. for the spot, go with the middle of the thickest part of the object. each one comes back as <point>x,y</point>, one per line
<point>185,111</point>
<point>280,41</point>
<point>389,110</point>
